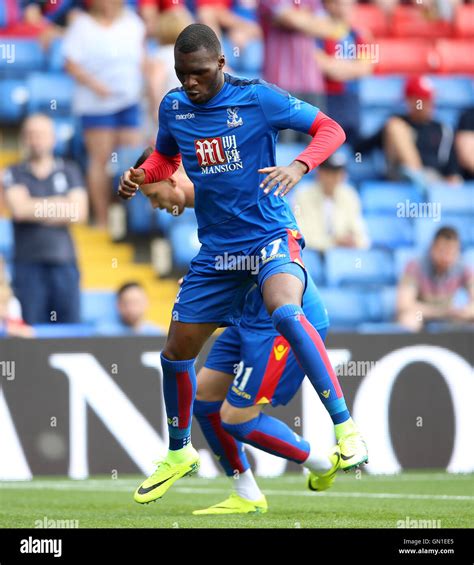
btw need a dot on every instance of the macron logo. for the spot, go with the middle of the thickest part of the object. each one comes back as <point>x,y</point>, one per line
<point>187,116</point>
<point>33,545</point>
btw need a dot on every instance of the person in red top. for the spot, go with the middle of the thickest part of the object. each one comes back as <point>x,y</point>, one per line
<point>343,62</point>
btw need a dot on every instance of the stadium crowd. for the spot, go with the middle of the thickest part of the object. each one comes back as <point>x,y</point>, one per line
<point>80,84</point>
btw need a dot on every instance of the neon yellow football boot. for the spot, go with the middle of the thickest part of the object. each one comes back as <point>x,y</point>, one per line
<point>353,447</point>
<point>178,464</point>
<point>322,481</point>
<point>235,504</point>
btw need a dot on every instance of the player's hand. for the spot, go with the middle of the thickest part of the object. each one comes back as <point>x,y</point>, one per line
<point>286,177</point>
<point>130,182</point>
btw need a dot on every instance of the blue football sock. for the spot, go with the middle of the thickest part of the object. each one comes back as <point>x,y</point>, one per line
<point>229,452</point>
<point>271,435</point>
<point>179,391</point>
<point>310,351</point>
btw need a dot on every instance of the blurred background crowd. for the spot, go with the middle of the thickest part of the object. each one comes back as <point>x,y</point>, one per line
<point>388,219</point>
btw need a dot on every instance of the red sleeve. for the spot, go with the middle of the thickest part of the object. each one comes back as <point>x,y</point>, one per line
<point>159,166</point>
<point>327,137</point>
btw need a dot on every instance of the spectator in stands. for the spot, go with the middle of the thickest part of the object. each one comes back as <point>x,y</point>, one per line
<point>132,305</point>
<point>329,213</point>
<point>104,51</point>
<point>465,143</point>
<point>417,147</point>
<point>289,31</point>
<point>428,286</point>
<point>11,322</point>
<point>45,195</point>
<point>343,62</point>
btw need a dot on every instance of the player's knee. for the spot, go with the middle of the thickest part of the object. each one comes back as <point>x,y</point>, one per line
<point>232,415</point>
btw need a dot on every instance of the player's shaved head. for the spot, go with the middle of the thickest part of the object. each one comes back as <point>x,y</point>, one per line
<point>198,36</point>
<point>198,62</point>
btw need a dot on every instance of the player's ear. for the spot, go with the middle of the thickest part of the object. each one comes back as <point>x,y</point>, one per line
<point>221,62</point>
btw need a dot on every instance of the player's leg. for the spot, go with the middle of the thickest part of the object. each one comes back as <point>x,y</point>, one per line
<point>270,374</point>
<point>179,390</point>
<point>206,300</point>
<point>99,142</point>
<point>282,285</point>
<point>251,425</point>
<point>214,380</point>
<point>247,498</point>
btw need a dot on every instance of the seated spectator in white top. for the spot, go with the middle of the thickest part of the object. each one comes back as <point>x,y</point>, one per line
<point>427,289</point>
<point>105,53</point>
<point>329,213</point>
<point>132,305</point>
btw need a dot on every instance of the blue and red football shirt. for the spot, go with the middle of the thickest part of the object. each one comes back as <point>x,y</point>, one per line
<point>223,143</point>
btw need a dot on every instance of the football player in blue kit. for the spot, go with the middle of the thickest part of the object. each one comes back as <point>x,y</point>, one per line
<point>224,129</point>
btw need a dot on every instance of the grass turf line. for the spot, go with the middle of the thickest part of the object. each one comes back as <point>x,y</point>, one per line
<point>365,502</point>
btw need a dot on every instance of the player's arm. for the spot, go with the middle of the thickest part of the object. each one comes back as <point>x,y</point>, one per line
<point>172,194</point>
<point>327,136</point>
<point>305,22</point>
<point>408,303</point>
<point>25,208</point>
<point>160,164</point>
<point>342,69</point>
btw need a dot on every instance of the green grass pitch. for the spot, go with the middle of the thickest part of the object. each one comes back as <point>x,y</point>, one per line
<point>354,502</point>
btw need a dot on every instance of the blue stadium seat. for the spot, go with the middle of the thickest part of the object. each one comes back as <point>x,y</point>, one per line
<point>453,91</point>
<point>286,152</point>
<point>184,243</point>
<point>348,307</point>
<point>448,116</point>
<point>98,306</point>
<point>56,56</point>
<point>370,167</point>
<point>373,119</point>
<point>453,200</point>
<point>65,129</point>
<point>359,267</point>
<point>6,238</point>
<point>13,98</point>
<point>387,298</point>
<point>20,57</point>
<point>314,265</point>
<point>468,257</point>
<point>425,229</point>
<point>390,232</point>
<point>381,91</point>
<point>139,215</point>
<point>50,93</point>
<point>163,220</point>
<point>402,256</point>
<point>384,197</point>
<point>63,330</point>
